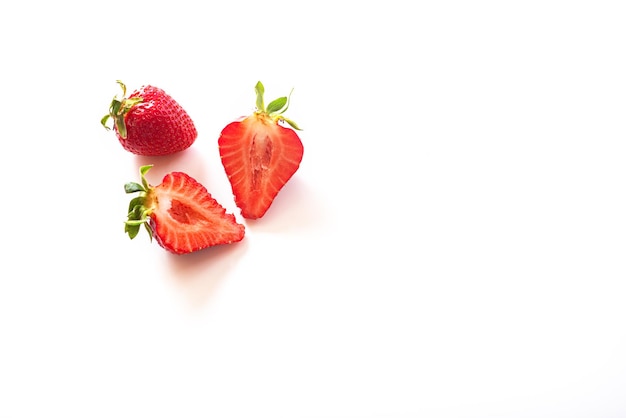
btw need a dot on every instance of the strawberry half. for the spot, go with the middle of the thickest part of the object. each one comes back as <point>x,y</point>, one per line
<point>259,155</point>
<point>150,122</point>
<point>180,214</point>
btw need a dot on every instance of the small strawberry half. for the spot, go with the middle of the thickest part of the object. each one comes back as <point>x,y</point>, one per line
<point>260,155</point>
<point>150,122</point>
<point>180,214</point>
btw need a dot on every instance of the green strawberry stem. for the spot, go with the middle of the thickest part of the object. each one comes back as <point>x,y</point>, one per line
<point>275,108</point>
<point>118,110</point>
<point>140,207</point>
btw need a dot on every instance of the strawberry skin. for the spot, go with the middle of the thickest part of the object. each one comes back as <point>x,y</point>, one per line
<point>180,214</point>
<point>150,122</point>
<point>259,155</point>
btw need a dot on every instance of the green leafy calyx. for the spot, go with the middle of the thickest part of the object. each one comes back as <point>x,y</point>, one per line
<point>276,108</point>
<point>118,110</point>
<point>140,206</point>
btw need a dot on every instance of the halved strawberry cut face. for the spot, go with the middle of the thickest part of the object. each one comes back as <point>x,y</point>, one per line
<point>180,214</point>
<point>186,218</point>
<point>259,157</point>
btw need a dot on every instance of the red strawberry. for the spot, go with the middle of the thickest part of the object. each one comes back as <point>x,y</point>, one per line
<point>149,122</point>
<point>260,155</point>
<point>180,214</point>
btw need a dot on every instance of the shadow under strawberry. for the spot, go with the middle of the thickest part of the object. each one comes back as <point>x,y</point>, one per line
<point>189,161</point>
<point>199,275</point>
<point>296,209</point>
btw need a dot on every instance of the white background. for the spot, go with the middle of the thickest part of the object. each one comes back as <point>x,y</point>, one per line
<point>452,245</point>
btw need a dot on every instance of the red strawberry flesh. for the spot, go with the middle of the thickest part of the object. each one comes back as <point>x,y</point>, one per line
<point>259,156</point>
<point>186,218</point>
<point>181,215</point>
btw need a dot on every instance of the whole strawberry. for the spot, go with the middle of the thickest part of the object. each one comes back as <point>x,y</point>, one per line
<point>260,155</point>
<point>180,214</point>
<point>149,122</point>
